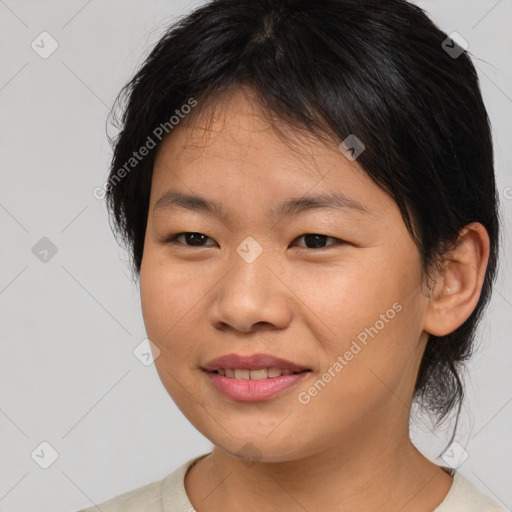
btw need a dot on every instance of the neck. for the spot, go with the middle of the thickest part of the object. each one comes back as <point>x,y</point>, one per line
<point>376,469</point>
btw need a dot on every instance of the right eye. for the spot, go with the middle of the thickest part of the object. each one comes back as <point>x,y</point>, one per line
<point>192,239</point>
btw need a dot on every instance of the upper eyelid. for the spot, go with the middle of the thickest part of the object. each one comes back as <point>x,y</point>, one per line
<point>173,238</point>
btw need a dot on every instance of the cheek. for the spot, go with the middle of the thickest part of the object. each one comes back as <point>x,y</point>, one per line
<point>168,292</point>
<point>345,299</point>
<point>167,299</point>
<point>368,312</point>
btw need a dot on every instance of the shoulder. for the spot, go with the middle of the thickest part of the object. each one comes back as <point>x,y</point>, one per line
<point>465,497</point>
<point>147,497</point>
<point>168,492</point>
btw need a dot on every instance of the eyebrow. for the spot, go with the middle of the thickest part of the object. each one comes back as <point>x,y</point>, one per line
<point>293,206</point>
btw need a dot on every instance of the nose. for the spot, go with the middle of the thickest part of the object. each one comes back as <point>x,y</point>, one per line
<point>252,296</point>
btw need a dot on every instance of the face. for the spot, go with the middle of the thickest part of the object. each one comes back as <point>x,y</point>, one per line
<point>334,288</point>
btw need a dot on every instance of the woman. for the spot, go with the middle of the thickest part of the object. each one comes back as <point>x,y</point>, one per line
<point>307,192</point>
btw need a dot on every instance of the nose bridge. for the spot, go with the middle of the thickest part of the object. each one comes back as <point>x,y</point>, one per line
<point>250,275</point>
<point>250,250</point>
<point>250,293</point>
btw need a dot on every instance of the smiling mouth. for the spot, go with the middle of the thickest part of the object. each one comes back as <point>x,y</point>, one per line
<point>260,374</point>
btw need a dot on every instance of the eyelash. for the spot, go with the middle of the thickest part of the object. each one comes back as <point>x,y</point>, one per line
<point>172,239</point>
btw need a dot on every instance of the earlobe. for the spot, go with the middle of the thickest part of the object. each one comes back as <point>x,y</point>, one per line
<point>457,289</point>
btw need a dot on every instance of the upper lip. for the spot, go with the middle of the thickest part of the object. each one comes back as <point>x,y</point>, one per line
<point>251,362</point>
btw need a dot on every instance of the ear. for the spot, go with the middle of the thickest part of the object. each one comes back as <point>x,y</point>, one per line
<point>457,289</point>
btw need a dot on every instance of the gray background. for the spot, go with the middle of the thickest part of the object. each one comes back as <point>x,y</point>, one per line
<point>68,375</point>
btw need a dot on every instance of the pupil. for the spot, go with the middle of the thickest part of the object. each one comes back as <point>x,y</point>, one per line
<point>190,238</point>
<point>316,240</point>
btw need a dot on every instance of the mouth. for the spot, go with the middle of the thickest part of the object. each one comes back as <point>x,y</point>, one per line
<point>241,386</point>
<point>257,374</point>
<point>254,366</point>
<point>251,378</point>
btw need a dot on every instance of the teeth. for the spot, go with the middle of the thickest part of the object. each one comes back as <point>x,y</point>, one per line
<point>242,374</point>
<point>274,372</point>
<point>258,374</point>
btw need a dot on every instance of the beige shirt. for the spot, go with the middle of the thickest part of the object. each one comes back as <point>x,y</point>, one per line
<point>169,495</point>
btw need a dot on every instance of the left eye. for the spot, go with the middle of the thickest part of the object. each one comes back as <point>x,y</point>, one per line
<point>192,239</point>
<point>317,241</point>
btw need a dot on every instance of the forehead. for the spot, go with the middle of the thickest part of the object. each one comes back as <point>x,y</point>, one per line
<point>231,148</point>
<point>222,125</point>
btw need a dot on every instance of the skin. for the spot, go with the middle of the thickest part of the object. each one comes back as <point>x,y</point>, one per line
<point>348,448</point>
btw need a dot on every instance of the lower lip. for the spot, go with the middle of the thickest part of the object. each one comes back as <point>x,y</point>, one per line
<point>254,390</point>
